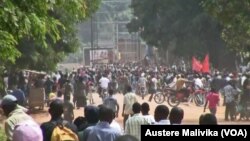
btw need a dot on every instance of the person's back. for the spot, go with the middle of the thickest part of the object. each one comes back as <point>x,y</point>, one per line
<point>19,94</point>
<point>145,113</point>
<point>102,131</point>
<point>161,115</point>
<point>92,117</point>
<point>129,100</point>
<point>180,82</point>
<point>68,109</point>
<point>68,88</point>
<point>104,81</point>
<point>213,100</point>
<point>176,115</point>
<point>208,119</point>
<point>133,124</point>
<point>56,111</point>
<point>142,81</point>
<point>111,102</point>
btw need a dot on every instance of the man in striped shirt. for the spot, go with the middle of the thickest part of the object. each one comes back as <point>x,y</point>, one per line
<point>133,124</point>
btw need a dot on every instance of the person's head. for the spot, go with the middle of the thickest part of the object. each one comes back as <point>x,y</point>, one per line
<point>136,107</point>
<point>128,89</point>
<point>176,115</point>
<point>56,108</point>
<point>8,104</point>
<point>208,119</point>
<point>91,113</point>
<point>161,113</point>
<point>111,91</point>
<point>80,121</point>
<point>106,114</point>
<point>145,108</point>
<point>126,138</point>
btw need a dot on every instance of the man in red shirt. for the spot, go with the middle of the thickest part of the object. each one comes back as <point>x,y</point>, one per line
<point>212,99</point>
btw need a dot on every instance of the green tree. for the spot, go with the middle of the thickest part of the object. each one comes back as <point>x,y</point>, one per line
<point>45,30</point>
<point>40,33</point>
<point>183,27</point>
<point>235,18</point>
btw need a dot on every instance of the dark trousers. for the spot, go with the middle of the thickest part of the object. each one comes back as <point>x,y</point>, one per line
<point>230,110</point>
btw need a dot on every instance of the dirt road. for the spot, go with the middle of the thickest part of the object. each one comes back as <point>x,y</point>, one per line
<point>191,112</point>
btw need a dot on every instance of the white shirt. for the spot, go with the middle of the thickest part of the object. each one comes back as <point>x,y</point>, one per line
<point>154,80</point>
<point>198,82</point>
<point>129,100</point>
<point>104,82</point>
<point>116,125</point>
<point>163,122</point>
<point>149,118</point>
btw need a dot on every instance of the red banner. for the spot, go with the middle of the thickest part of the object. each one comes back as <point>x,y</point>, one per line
<point>196,65</point>
<point>205,65</point>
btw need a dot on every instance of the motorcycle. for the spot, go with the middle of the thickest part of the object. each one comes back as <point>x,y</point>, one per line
<point>162,94</point>
<point>187,95</point>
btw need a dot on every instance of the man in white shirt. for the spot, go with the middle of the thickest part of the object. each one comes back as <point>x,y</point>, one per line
<point>128,101</point>
<point>198,83</point>
<point>104,82</point>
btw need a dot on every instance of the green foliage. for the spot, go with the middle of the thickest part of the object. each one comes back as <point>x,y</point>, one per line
<point>183,27</point>
<point>40,33</point>
<point>7,52</point>
<point>183,22</point>
<point>235,18</point>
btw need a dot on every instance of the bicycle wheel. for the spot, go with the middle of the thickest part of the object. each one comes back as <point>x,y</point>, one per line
<point>173,101</point>
<point>199,99</point>
<point>159,98</point>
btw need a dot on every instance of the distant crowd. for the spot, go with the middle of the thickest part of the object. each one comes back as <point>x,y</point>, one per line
<point>63,92</point>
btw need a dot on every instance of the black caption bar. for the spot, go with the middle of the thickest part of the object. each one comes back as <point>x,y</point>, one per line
<point>217,132</point>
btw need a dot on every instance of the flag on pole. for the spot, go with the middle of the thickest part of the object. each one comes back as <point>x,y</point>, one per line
<point>205,65</point>
<point>196,65</point>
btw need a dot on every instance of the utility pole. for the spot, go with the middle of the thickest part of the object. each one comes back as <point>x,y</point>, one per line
<point>92,40</point>
<point>139,45</point>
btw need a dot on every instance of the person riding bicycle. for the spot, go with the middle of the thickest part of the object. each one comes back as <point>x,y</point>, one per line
<point>142,82</point>
<point>181,85</point>
<point>103,84</point>
<point>198,84</point>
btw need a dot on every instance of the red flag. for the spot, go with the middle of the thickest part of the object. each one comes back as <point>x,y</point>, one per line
<point>196,65</point>
<point>205,65</point>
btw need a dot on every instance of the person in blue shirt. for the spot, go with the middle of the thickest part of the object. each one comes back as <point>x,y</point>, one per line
<point>102,131</point>
<point>19,94</point>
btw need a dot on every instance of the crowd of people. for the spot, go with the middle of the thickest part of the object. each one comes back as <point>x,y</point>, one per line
<point>65,92</point>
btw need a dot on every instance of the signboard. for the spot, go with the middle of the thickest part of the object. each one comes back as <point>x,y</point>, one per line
<point>101,54</point>
<point>98,56</point>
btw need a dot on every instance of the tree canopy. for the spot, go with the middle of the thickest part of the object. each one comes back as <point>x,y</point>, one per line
<point>40,33</point>
<point>235,18</point>
<point>183,27</point>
